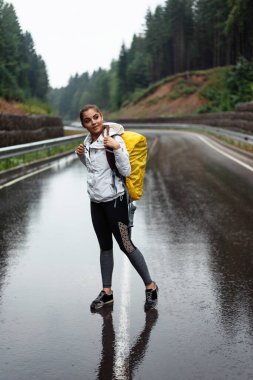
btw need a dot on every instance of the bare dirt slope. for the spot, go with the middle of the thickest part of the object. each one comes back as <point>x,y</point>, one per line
<point>10,108</point>
<point>179,96</point>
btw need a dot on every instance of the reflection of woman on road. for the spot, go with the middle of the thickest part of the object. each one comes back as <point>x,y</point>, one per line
<point>108,367</point>
<point>109,208</point>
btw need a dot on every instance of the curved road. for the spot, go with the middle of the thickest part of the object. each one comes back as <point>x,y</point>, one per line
<point>194,226</point>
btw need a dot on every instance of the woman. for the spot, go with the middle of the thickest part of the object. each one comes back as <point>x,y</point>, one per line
<point>109,208</point>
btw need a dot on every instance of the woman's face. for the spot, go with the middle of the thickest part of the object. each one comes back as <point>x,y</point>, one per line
<point>93,122</point>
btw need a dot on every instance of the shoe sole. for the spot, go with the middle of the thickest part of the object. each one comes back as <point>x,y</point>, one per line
<point>96,307</point>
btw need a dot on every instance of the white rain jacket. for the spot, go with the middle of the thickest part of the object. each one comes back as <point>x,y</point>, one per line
<point>102,184</point>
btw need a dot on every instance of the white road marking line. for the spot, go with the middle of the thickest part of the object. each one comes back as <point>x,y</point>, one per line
<point>226,154</point>
<point>25,176</point>
<point>122,338</point>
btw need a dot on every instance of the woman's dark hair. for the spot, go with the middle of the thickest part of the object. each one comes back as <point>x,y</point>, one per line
<point>86,108</point>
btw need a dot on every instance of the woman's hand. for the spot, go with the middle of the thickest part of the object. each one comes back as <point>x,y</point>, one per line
<point>110,142</point>
<point>80,150</point>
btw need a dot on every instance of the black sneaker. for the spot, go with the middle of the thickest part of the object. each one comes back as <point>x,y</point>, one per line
<point>102,300</point>
<point>151,298</point>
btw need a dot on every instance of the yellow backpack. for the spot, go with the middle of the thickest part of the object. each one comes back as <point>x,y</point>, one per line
<point>137,148</point>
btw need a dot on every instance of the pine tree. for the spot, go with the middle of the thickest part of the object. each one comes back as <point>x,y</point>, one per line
<point>239,26</point>
<point>22,73</point>
<point>10,50</point>
<point>122,87</point>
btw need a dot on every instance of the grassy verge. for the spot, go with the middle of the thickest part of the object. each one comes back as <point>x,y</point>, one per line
<point>36,107</point>
<point>236,143</point>
<point>244,146</point>
<point>29,157</point>
<point>225,139</point>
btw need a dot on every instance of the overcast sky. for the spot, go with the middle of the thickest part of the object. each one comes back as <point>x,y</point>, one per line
<point>77,36</point>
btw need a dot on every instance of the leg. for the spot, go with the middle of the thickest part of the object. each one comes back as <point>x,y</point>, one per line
<point>118,219</point>
<point>104,236</point>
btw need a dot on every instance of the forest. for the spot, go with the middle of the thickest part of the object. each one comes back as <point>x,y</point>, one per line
<point>179,36</point>
<point>23,73</point>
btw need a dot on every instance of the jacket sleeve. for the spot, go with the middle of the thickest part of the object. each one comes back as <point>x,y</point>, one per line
<point>122,158</point>
<point>82,159</point>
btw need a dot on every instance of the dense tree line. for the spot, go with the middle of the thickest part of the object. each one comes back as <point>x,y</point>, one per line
<point>23,73</point>
<point>179,36</point>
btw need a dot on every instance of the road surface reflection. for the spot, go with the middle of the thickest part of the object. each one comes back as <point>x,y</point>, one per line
<point>194,226</point>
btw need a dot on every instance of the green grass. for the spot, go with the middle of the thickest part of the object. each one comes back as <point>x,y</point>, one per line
<point>36,107</point>
<point>216,91</point>
<point>181,89</point>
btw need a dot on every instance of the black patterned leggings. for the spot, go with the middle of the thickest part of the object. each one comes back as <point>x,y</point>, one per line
<point>111,219</point>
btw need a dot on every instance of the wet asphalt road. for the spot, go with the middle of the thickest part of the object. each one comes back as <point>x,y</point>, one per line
<point>194,226</point>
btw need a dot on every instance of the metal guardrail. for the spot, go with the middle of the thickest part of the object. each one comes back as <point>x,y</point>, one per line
<point>201,127</point>
<point>18,150</point>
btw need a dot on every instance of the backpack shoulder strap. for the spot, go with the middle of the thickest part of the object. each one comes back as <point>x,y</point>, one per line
<point>110,156</point>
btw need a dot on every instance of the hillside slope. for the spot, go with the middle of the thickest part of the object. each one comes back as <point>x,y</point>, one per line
<point>33,107</point>
<point>182,94</point>
<point>179,95</point>
<point>10,108</point>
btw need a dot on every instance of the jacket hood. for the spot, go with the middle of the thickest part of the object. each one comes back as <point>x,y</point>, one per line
<point>112,128</point>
